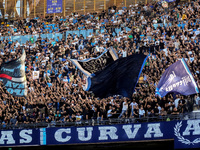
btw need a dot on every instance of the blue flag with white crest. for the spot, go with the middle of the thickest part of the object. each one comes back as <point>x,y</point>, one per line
<point>177,79</point>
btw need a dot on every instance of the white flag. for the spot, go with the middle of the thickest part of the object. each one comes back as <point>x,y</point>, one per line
<point>36,75</point>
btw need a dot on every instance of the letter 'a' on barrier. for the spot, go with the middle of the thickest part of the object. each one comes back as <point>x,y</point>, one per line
<point>153,129</point>
<point>7,137</point>
<point>187,134</point>
<point>192,125</point>
<point>177,78</point>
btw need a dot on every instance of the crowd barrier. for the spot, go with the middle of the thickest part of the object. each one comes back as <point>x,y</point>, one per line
<point>185,134</point>
<point>22,39</point>
<point>192,115</point>
<point>86,33</point>
<point>180,24</point>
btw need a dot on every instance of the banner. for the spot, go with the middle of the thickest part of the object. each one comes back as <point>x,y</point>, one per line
<point>13,76</point>
<point>109,133</point>
<point>169,1</point>
<point>54,6</point>
<point>185,133</point>
<point>118,78</point>
<point>36,75</point>
<point>177,79</point>
<point>20,137</point>
<point>92,65</point>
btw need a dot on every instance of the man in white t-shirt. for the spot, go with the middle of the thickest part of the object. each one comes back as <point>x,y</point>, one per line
<point>141,112</point>
<point>17,44</point>
<point>90,36</point>
<point>124,107</point>
<point>109,112</point>
<point>197,32</point>
<point>112,11</point>
<point>121,11</point>
<point>132,106</point>
<point>65,80</point>
<point>176,101</point>
<point>78,118</point>
<point>124,53</point>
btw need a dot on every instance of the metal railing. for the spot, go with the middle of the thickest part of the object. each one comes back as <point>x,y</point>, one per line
<point>22,39</point>
<point>93,122</point>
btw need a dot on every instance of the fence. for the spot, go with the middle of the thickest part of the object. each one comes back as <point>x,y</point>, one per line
<point>22,39</point>
<point>85,33</point>
<point>92,122</point>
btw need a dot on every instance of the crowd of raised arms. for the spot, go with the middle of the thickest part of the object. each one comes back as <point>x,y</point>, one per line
<point>166,35</point>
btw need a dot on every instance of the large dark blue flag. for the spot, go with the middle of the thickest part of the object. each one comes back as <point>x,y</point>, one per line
<point>118,78</point>
<point>177,79</point>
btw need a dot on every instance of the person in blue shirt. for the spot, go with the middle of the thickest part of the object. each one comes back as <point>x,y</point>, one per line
<point>64,58</point>
<point>58,39</point>
<point>49,83</point>
<point>53,42</point>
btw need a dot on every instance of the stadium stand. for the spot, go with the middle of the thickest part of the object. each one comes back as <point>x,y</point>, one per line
<point>57,98</point>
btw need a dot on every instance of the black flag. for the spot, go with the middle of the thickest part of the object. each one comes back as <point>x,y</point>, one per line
<point>118,78</point>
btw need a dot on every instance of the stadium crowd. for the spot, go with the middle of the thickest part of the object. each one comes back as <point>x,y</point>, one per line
<point>166,35</point>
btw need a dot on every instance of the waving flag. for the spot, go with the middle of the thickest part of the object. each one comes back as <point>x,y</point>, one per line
<point>177,79</point>
<point>13,76</point>
<point>92,65</point>
<point>118,78</point>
